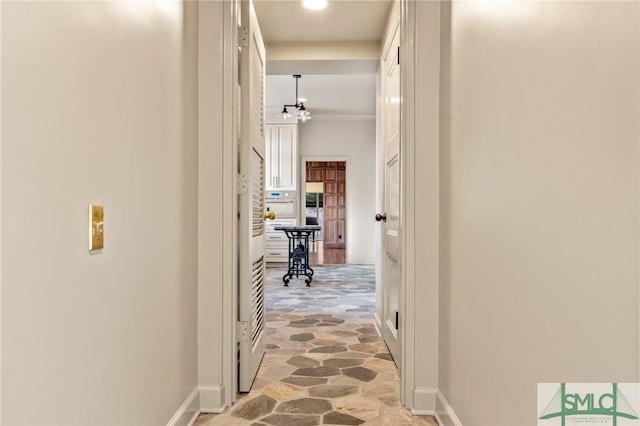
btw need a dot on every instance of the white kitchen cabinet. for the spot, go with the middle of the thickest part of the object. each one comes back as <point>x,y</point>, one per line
<point>276,248</point>
<point>281,171</point>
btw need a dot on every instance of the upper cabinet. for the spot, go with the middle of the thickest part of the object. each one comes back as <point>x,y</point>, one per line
<point>281,157</point>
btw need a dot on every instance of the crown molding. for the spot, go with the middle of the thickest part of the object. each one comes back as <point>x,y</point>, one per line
<point>342,117</point>
<point>287,51</point>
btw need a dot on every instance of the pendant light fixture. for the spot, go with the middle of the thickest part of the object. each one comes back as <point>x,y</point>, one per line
<point>301,114</point>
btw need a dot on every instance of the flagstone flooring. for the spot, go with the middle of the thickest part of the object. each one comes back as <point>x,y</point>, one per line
<point>324,364</point>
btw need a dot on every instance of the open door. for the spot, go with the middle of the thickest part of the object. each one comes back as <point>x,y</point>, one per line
<point>251,199</point>
<point>390,219</point>
<point>334,200</point>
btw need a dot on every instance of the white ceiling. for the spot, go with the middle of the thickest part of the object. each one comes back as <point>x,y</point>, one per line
<point>338,87</point>
<point>349,94</point>
<point>342,20</point>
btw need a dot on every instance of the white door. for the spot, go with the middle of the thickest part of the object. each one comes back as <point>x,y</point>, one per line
<point>251,200</point>
<point>391,278</point>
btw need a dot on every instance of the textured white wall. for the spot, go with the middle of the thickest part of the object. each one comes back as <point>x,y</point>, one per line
<point>539,253</point>
<point>355,139</point>
<point>98,106</point>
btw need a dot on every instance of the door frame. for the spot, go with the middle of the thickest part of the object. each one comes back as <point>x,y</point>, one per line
<point>420,83</point>
<point>303,179</point>
<point>217,206</point>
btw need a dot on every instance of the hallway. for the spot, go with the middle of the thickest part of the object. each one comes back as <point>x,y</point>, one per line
<point>325,363</point>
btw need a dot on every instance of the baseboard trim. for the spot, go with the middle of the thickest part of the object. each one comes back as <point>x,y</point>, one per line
<point>194,419</point>
<point>445,415</point>
<point>212,399</point>
<point>187,412</point>
<point>424,401</point>
<point>377,324</point>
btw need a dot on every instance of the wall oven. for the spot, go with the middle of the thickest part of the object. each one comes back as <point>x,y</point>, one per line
<point>283,203</point>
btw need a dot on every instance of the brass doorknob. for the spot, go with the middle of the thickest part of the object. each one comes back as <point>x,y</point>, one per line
<point>269,215</point>
<point>381,217</point>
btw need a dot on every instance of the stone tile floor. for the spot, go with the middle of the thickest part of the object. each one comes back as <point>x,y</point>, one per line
<point>325,363</point>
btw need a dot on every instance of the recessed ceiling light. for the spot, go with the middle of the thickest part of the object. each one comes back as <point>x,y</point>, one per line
<point>314,4</point>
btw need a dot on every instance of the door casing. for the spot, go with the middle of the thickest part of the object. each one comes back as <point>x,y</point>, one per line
<point>222,335</point>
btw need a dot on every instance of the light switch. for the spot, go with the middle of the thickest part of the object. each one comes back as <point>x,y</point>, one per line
<point>96,227</point>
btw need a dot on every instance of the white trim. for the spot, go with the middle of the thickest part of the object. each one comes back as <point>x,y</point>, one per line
<point>444,412</point>
<point>377,324</point>
<point>194,419</point>
<point>209,259</point>
<point>229,286</point>
<point>638,206</point>
<point>212,399</point>
<point>407,204</point>
<point>323,51</point>
<point>420,85</point>
<point>1,230</point>
<point>187,412</point>
<point>216,204</point>
<point>424,401</point>
<point>343,117</point>
<point>230,241</point>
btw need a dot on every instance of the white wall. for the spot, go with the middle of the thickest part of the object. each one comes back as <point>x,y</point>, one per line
<point>539,168</point>
<point>98,106</point>
<point>355,139</point>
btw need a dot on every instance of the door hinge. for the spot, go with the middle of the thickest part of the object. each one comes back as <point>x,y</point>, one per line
<point>243,185</point>
<point>243,36</point>
<point>398,55</point>
<point>242,331</point>
<point>397,320</point>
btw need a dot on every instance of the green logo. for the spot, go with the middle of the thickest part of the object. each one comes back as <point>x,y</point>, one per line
<point>583,405</point>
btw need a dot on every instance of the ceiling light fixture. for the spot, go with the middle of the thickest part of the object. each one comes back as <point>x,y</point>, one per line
<point>302,113</point>
<point>314,4</point>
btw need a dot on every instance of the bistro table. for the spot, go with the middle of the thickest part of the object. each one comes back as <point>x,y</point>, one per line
<point>298,251</point>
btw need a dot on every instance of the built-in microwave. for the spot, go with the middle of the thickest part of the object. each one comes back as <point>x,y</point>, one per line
<point>283,203</point>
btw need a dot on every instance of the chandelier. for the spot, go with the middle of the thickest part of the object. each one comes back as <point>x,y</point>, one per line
<point>301,114</point>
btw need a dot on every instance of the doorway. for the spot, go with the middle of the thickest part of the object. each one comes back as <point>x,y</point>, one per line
<point>335,151</point>
<point>326,205</point>
<point>218,266</point>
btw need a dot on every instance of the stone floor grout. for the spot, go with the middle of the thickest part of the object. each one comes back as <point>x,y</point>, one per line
<point>324,363</point>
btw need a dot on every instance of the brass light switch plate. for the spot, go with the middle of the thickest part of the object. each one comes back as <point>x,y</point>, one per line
<point>96,227</point>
